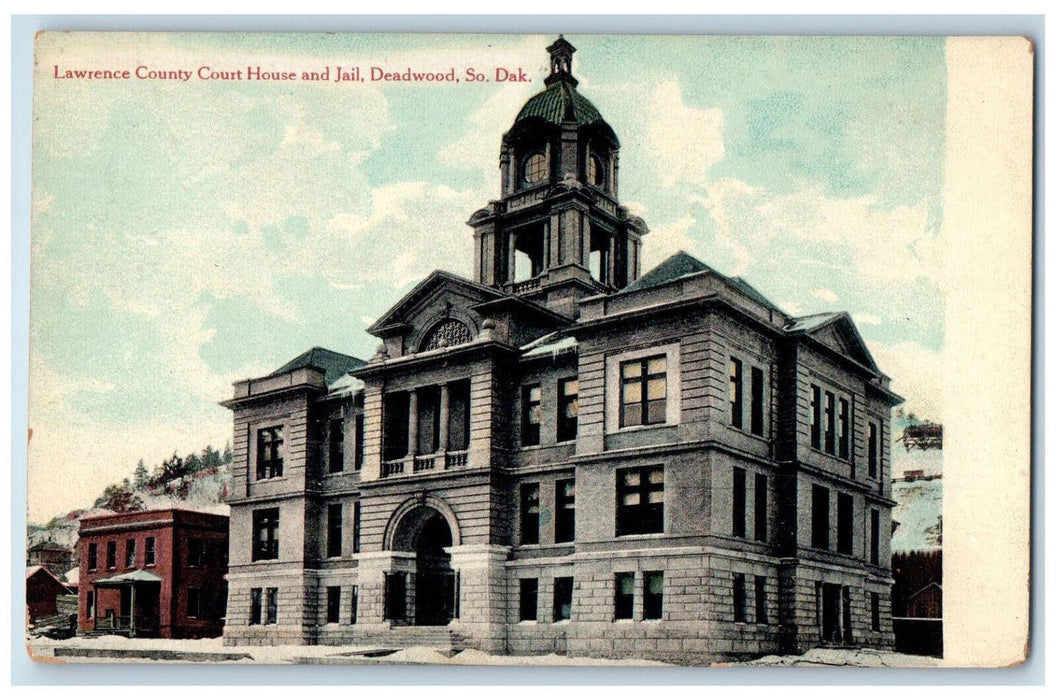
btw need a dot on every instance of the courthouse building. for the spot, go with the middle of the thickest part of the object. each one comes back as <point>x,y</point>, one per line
<point>566,455</point>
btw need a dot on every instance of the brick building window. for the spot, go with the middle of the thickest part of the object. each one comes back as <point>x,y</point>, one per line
<point>360,446</point>
<point>529,513</point>
<point>643,391</point>
<point>874,605</point>
<point>639,501</point>
<point>565,507</point>
<point>333,604</point>
<point>872,450</point>
<point>819,517</point>
<point>874,536</point>
<point>149,552</point>
<point>623,598</point>
<point>195,552</point>
<point>357,518</point>
<point>531,414</point>
<point>739,501</point>
<point>815,416</point>
<point>760,507</point>
<point>255,605</point>
<point>90,605</point>
<point>845,429</point>
<point>653,595</point>
<point>130,554</point>
<point>93,556</point>
<point>844,523</point>
<point>269,453</point>
<point>761,616</point>
<point>529,601</point>
<point>740,600</point>
<point>194,603</point>
<point>111,555</point>
<point>567,409</point>
<point>736,393</point>
<point>265,534</point>
<point>756,425</point>
<point>830,422</point>
<point>333,530</point>
<point>336,445</point>
<point>562,598</point>
<point>272,601</point>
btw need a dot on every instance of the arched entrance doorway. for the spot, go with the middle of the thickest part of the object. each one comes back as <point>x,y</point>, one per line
<point>425,531</point>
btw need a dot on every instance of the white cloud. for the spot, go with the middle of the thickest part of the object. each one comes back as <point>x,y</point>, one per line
<point>826,295</point>
<point>866,319</point>
<point>916,374</point>
<point>683,142</point>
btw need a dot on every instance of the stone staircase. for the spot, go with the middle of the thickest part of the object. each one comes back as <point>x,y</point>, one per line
<point>441,638</point>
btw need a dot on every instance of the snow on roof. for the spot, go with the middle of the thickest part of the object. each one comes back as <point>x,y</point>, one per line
<point>345,385</point>
<point>809,323</point>
<point>549,344</point>
<point>32,570</point>
<point>73,575</point>
<point>919,516</point>
<point>135,576</point>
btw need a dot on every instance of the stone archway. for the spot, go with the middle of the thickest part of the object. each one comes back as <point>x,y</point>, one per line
<point>425,531</point>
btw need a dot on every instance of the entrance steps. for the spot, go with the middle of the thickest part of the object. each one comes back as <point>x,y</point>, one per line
<point>442,638</point>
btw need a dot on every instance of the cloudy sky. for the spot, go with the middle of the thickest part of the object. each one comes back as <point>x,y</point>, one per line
<point>188,234</point>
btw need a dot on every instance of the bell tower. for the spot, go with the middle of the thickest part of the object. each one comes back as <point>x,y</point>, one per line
<point>558,232</point>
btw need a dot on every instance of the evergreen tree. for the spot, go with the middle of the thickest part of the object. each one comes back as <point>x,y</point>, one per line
<point>141,476</point>
<point>228,455</point>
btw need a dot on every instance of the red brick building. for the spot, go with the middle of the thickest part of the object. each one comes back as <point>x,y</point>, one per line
<point>157,573</point>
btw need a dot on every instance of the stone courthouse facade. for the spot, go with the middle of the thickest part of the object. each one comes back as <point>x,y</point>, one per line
<point>566,455</point>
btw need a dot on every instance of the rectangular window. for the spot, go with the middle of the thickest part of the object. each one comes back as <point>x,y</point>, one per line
<point>757,402</point>
<point>736,397</point>
<point>529,606</point>
<point>562,598</point>
<point>255,606</point>
<point>266,534</point>
<point>333,530</point>
<point>269,453</point>
<point>272,600</point>
<point>194,603</point>
<point>567,409</point>
<point>848,632</point>
<point>624,596</point>
<point>874,536</point>
<point>355,605</point>
<point>333,604</point>
<point>815,416</point>
<point>428,420</point>
<point>830,423</point>
<point>130,554</point>
<point>529,513</point>
<point>844,523</point>
<point>360,444</point>
<point>90,612</point>
<point>111,555</point>
<point>395,436</point>
<point>531,414</point>
<point>396,596</point>
<point>819,517</point>
<point>357,518</point>
<point>760,600</point>
<point>336,445</point>
<point>565,507</point>
<point>872,450</point>
<point>845,429</point>
<point>653,595</point>
<point>639,501</point>
<point>93,556</point>
<point>760,507</point>
<point>874,604</point>
<point>195,552</point>
<point>740,602</point>
<point>739,501</point>
<point>149,553</point>
<point>643,391</point>
<point>458,416</point>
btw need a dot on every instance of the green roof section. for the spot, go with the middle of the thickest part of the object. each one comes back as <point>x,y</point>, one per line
<point>560,103</point>
<point>334,364</point>
<point>678,265</point>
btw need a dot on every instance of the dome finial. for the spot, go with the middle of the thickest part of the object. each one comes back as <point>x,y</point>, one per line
<point>561,62</point>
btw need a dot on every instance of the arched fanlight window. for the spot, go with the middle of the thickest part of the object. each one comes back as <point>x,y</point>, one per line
<point>535,169</point>
<point>447,334</point>
<point>595,171</point>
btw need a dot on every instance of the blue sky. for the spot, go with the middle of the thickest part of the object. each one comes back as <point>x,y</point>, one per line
<point>188,234</point>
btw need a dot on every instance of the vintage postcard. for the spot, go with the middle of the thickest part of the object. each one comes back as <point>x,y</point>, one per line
<point>530,350</point>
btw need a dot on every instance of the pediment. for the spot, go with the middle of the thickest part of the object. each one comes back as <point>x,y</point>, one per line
<point>841,335</point>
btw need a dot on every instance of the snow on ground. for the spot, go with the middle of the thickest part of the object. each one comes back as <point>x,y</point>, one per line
<point>306,654</point>
<point>866,658</point>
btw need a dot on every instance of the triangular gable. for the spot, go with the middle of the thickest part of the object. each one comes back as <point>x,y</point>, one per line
<point>439,283</point>
<point>839,333</point>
